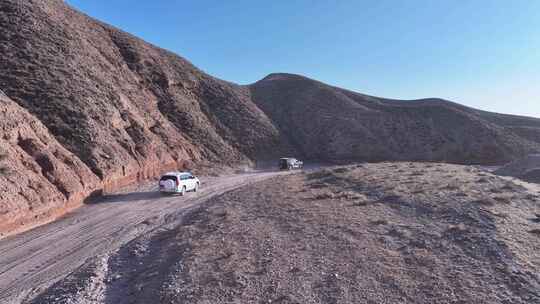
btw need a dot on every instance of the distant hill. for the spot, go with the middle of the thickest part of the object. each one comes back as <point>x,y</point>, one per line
<point>329,123</point>
<point>111,109</point>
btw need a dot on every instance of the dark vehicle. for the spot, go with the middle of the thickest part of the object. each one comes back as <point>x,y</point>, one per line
<point>290,164</point>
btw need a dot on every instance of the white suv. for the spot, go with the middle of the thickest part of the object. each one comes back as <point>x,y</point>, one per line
<point>178,182</point>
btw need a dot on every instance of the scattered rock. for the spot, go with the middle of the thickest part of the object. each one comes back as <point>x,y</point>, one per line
<point>527,168</point>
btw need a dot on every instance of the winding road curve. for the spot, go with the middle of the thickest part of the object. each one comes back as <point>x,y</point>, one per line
<point>32,261</point>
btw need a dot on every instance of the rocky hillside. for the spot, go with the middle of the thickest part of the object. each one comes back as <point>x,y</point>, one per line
<point>117,107</point>
<point>330,123</point>
<point>119,110</point>
<point>40,178</point>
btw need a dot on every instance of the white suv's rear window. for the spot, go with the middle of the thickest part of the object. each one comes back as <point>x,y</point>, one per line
<point>168,177</point>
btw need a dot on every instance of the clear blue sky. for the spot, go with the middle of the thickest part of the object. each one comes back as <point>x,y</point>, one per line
<point>482,53</point>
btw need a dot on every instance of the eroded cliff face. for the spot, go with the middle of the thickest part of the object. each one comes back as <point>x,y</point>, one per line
<point>117,108</point>
<point>120,104</point>
<point>41,178</point>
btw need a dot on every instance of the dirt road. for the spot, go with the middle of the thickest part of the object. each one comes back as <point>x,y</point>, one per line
<point>387,232</point>
<point>418,233</point>
<point>34,260</point>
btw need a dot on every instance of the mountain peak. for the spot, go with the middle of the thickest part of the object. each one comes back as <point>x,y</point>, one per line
<point>282,76</point>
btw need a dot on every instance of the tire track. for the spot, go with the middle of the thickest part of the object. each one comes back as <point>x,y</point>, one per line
<point>34,260</point>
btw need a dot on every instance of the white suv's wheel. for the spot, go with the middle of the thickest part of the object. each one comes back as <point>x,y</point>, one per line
<point>196,187</point>
<point>183,192</point>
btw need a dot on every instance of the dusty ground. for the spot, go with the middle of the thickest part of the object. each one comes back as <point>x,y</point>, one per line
<point>527,169</point>
<point>374,233</point>
<point>32,261</point>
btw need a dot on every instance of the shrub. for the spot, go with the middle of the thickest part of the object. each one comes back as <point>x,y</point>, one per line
<point>324,195</point>
<point>3,170</point>
<point>535,231</point>
<point>482,180</point>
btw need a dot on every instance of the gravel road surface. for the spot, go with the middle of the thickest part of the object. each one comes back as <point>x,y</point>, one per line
<point>32,261</point>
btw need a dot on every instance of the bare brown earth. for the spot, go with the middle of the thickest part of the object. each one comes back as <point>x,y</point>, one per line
<point>370,233</point>
<point>117,110</point>
<point>34,260</point>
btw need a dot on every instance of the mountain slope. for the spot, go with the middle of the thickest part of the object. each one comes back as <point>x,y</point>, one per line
<point>126,109</point>
<point>123,110</point>
<point>326,122</point>
<point>116,101</point>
